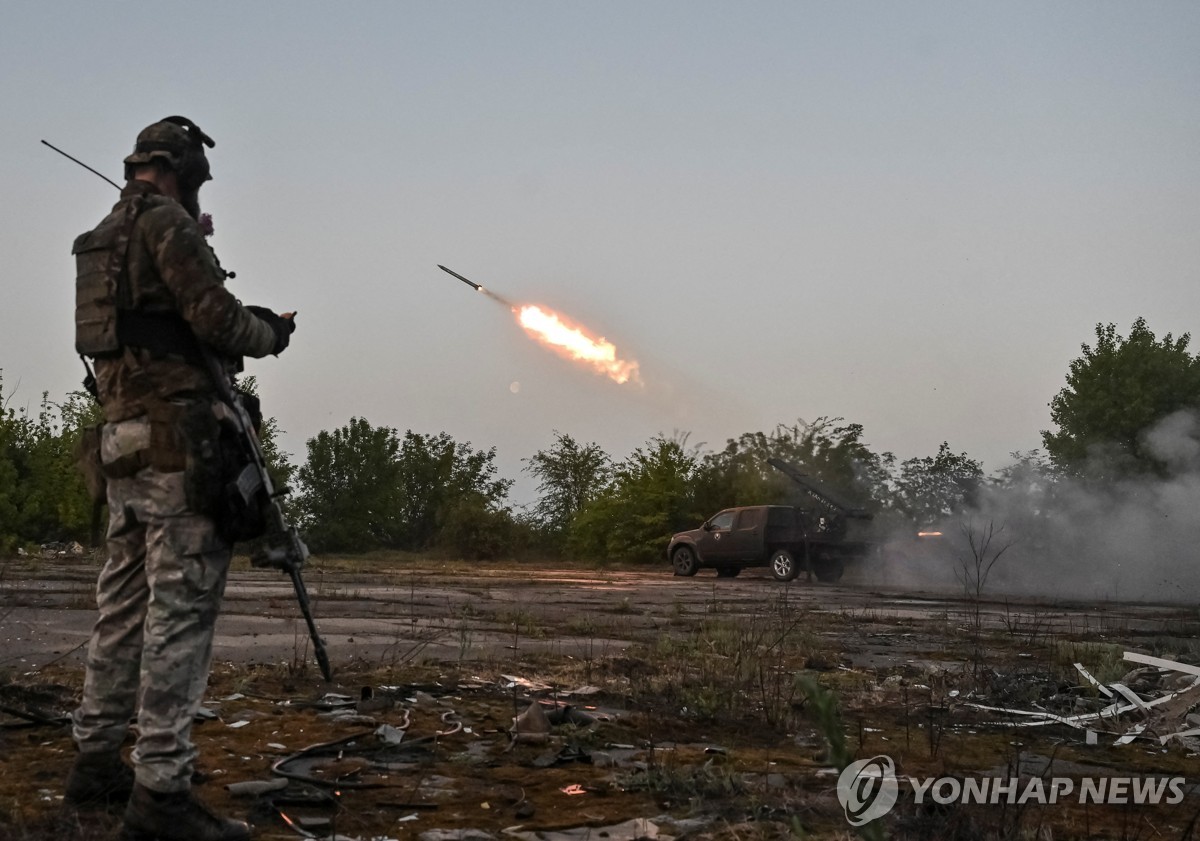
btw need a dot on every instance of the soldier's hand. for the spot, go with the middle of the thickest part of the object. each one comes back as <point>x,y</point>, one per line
<point>283,325</point>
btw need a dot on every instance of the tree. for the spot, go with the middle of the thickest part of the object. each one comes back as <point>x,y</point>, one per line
<point>650,498</point>
<point>570,476</point>
<point>829,449</point>
<point>436,473</point>
<point>472,527</point>
<point>1115,391</point>
<point>75,510</point>
<point>9,491</point>
<point>42,494</point>
<point>279,463</point>
<point>932,488</point>
<point>364,487</point>
<point>350,489</point>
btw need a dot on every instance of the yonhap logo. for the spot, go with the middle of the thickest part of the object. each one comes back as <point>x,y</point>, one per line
<point>867,789</point>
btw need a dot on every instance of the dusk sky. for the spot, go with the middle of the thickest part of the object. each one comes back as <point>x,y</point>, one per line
<point>906,214</point>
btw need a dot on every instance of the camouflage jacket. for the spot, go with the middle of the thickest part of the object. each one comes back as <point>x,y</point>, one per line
<point>171,269</point>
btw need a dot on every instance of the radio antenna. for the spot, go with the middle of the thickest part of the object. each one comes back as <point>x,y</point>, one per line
<point>82,164</point>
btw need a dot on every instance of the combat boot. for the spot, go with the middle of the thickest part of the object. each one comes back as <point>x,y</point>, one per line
<point>176,816</point>
<point>98,781</point>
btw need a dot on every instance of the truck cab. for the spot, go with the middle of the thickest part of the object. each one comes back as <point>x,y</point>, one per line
<point>750,536</point>
<point>817,536</point>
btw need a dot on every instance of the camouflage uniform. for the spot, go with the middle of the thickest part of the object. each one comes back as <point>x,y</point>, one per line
<point>160,591</point>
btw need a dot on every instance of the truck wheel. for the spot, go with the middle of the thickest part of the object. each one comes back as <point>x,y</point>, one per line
<point>829,569</point>
<point>684,561</point>
<point>728,572</point>
<point>783,565</point>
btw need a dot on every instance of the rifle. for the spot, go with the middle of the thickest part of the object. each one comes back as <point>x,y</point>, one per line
<point>254,492</point>
<point>281,546</point>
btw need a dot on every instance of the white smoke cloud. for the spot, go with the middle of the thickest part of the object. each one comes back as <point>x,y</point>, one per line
<point>1175,441</point>
<point>1132,540</point>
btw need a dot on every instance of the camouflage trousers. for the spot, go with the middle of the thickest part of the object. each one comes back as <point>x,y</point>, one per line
<point>158,597</point>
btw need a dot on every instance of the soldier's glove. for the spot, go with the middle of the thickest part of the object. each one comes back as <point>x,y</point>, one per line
<point>283,327</point>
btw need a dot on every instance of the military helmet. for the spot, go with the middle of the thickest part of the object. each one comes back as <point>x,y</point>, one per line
<point>179,143</point>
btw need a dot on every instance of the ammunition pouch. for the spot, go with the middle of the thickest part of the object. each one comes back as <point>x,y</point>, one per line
<point>220,480</point>
<point>203,440</point>
<point>242,499</point>
<point>105,452</point>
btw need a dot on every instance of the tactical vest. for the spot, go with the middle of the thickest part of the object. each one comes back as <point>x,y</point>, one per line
<point>106,318</point>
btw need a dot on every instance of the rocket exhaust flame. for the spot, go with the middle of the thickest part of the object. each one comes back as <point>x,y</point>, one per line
<point>572,342</point>
<point>568,340</point>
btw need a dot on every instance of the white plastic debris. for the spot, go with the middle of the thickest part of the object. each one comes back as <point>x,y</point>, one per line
<point>1169,665</point>
<point>1088,677</point>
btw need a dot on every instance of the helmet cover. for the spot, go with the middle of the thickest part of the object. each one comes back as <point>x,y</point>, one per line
<point>179,143</point>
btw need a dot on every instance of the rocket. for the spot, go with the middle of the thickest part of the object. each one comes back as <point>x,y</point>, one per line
<point>470,283</point>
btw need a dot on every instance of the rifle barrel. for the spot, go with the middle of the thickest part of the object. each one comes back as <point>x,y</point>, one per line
<point>318,643</point>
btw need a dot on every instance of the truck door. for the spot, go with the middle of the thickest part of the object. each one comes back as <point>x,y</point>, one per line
<point>745,542</point>
<point>713,543</point>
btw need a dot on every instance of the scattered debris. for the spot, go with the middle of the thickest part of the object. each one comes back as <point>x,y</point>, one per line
<point>1158,662</point>
<point>531,725</point>
<point>360,761</point>
<point>67,549</point>
<point>564,756</point>
<point>256,788</point>
<point>455,835</point>
<point>570,715</point>
<point>1163,718</point>
<point>636,829</point>
<point>582,691</point>
<point>389,735</point>
<point>38,705</point>
<point>513,682</point>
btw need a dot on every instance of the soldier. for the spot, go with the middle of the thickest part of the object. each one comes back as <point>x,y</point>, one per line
<point>149,294</point>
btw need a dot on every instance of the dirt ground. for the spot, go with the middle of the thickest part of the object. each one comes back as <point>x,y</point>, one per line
<point>648,705</point>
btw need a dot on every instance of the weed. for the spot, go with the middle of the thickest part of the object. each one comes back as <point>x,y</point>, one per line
<point>1105,661</point>
<point>465,635</point>
<point>973,575</point>
<point>825,713</point>
<point>676,782</point>
<point>1029,628</point>
<point>732,665</point>
<point>522,622</point>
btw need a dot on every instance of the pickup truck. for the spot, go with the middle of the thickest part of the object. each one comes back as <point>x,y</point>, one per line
<point>789,539</point>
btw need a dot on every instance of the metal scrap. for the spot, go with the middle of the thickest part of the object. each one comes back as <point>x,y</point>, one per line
<point>1159,715</point>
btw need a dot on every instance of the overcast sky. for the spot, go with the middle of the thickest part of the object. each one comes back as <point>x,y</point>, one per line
<point>907,214</point>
